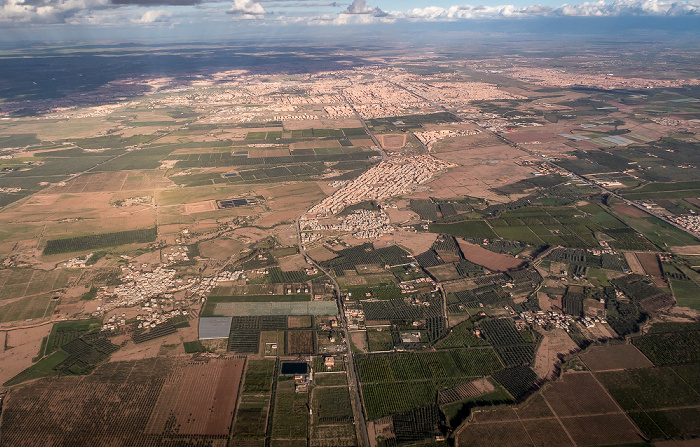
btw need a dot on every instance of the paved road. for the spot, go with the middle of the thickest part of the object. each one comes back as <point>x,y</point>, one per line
<point>353,381</point>
<point>364,124</point>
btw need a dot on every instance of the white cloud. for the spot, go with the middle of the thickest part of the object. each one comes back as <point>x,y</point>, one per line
<point>46,11</point>
<point>360,7</point>
<point>247,8</point>
<point>96,12</point>
<point>599,8</point>
<point>154,15</point>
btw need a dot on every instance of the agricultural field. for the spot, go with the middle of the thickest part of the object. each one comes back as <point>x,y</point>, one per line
<point>165,277</point>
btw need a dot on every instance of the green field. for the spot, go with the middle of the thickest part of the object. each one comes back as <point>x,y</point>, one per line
<point>650,388</point>
<point>290,414</point>
<point>258,376</point>
<point>687,293</point>
<point>44,367</point>
<point>470,228</point>
<point>91,242</point>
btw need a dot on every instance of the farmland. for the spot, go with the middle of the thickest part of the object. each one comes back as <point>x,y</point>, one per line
<point>84,243</point>
<point>476,239</point>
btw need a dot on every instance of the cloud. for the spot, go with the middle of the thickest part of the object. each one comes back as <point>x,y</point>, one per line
<point>599,8</point>
<point>46,11</point>
<point>155,2</point>
<point>299,4</point>
<point>360,7</point>
<point>97,12</point>
<point>153,16</point>
<point>247,9</point>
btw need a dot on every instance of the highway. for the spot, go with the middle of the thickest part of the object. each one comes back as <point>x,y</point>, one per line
<point>364,124</point>
<point>353,382</point>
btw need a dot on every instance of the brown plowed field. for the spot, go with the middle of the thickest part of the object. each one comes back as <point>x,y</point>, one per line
<point>492,261</point>
<point>201,399</point>
<point>606,358</point>
<point>650,264</point>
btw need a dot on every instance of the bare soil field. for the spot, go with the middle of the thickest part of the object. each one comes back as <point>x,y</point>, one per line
<point>361,141</point>
<point>578,394</point>
<point>201,398</point>
<point>602,429</point>
<point>554,342</point>
<point>576,402</point>
<point>634,263</point>
<point>523,136</point>
<point>692,250</point>
<point>465,142</point>
<point>301,342</point>
<point>629,211</point>
<point>614,357</point>
<point>492,261</point>
<point>200,207</point>
<point>359,339</point>
<point>293,262</point>
<point>321,253</point>
<point>220,248</point>
<point>392,141</point>
<point>291,196</point>
<point>650,264</point>
<point>23,345</point>
<point>416,243</point>
<point>480,170</point>
<point>272,152</point>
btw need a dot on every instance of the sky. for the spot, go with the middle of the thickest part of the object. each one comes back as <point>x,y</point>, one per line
<point>95,19</point>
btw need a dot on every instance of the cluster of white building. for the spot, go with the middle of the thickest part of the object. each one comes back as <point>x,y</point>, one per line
<point>10,190</point>
<point>175,254</point>
<point>688,221</point>
<point>78,262</point>
<point>394,177</point>
<point>429,138</point>
<point>140,285</point>
<point>550,318</point>
<point>295,117</point>
<point>339,111</point>
<point>363,224</point>
<point>558,319</point>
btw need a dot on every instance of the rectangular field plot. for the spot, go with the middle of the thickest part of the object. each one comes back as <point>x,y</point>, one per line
<point>332,435</point>
<point>579,394</point>
<point>670,348</point>
<point>649,388</point>
<point>61,410</point>
<point>251,418</point>
<point>290,413</point>
<point>607,429</point>
<point>331,406</point>
<point>30,307</point>
<point>393,383</point>
<point>248,309</point>
<point>604,358</point>
<point>201,402</point>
